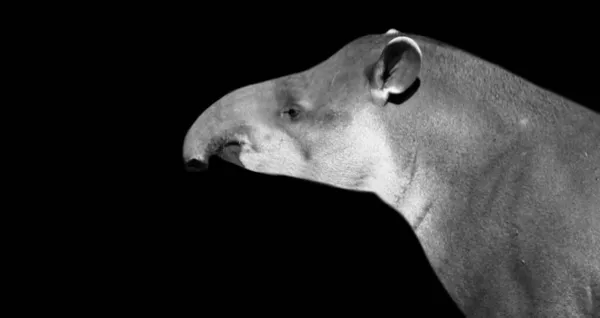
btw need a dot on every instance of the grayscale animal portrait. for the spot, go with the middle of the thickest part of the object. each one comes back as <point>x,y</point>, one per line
<point>498,177</point>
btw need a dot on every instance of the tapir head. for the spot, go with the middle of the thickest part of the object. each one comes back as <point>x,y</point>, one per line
<point>331,124</point>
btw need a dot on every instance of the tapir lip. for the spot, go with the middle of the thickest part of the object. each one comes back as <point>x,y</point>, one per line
<point>230,151</point>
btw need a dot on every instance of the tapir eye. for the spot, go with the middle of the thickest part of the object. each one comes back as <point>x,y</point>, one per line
<point>292,113</point>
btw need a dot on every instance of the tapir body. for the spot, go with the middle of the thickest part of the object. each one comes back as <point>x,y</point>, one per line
<point>499,178</point>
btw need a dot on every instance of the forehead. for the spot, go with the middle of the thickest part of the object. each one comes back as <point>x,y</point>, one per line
<point>340,75</point>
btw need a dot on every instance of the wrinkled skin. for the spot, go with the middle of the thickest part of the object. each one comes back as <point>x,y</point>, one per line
<point>499,178</point>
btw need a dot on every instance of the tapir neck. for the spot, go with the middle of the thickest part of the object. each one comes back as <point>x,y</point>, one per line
<point>397,175</point>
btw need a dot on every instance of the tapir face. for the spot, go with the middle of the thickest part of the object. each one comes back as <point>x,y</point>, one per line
<point>328,124</point>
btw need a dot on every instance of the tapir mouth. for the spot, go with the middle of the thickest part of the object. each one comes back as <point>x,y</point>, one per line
<point>227,149</point>
<point>230,151</point>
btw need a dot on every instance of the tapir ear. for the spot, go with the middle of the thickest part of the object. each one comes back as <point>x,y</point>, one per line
<point>397,67</point>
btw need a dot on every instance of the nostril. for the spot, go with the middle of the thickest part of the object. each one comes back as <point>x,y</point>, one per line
<point>195,165</point>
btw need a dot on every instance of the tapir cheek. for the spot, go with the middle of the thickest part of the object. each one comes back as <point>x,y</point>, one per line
<point>337,166</point>
<point>274,158</point>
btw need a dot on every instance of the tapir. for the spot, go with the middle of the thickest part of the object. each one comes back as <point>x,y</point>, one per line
<point>498,177</point>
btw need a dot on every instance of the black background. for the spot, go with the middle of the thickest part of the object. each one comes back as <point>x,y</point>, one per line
<point>239,242</point>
